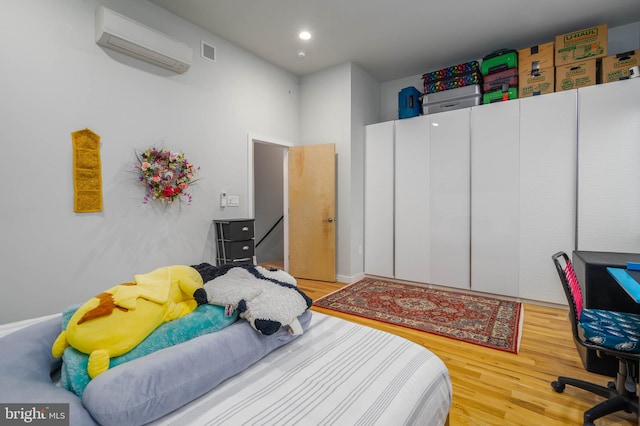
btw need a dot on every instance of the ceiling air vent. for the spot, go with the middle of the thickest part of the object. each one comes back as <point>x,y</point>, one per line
<point>208,51</point>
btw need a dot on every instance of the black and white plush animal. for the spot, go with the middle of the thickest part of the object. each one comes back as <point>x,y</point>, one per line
<point>267,299</point>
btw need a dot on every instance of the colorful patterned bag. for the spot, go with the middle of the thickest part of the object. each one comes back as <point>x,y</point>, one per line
<point>460,75</point>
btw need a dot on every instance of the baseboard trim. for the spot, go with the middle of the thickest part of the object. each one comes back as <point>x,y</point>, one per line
<point>350,279</point>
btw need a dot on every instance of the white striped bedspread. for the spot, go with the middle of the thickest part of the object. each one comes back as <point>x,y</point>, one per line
<point>336,373</point>
<point>18,325</point>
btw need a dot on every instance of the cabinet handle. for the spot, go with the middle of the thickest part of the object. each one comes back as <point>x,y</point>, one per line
<point>245,228</point>
<point>245,248</point>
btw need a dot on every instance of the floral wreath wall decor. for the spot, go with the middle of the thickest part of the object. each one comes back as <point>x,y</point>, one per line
<point>165,174</point>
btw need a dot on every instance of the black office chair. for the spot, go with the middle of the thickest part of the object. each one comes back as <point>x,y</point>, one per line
<point>607,332</point>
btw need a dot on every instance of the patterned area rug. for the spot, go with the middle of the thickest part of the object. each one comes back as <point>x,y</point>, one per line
<point>485,321</point>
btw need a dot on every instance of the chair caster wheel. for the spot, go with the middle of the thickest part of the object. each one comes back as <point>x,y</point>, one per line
<point>557,386</point>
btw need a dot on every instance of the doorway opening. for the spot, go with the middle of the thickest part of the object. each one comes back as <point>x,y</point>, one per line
<point>268,159</point>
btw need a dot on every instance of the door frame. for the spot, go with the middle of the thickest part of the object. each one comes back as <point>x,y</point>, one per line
<point>252,139</point>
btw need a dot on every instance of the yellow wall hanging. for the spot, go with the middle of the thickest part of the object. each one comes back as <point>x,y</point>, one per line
<point>87,172</point>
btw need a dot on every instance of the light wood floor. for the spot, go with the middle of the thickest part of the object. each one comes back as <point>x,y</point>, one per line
<point>492,387</point>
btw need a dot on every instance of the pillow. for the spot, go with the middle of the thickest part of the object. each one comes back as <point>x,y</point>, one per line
<point>26,368</point>
<point>118,319</point>
<point>147,388</point>
<point>205,319</point>
<point>268,299</point>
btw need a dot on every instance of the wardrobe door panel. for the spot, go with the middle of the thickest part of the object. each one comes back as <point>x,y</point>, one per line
<point>412,200</point>
<point>378,199</point>
<point>609,167</point>
<point>495,186</point>
<point>548,143</point>
<point>450,202</point>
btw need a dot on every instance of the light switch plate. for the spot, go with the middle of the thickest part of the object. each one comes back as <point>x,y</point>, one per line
<point>233,200</point>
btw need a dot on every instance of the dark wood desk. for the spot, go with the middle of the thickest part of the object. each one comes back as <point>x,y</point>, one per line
<point>601,291</point>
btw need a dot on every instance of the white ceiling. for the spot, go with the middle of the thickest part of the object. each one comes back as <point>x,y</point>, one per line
<point>392,39</point>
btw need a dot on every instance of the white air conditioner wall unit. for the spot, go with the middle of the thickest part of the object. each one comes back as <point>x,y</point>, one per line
<point>132,38</point>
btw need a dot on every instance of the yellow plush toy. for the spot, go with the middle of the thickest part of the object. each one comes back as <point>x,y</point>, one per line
<point>114,322</point>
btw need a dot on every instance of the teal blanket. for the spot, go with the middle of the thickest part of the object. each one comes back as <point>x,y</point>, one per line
<point>204,320</point>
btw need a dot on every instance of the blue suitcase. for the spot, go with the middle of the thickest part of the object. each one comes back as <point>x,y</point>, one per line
<point>409,102</point>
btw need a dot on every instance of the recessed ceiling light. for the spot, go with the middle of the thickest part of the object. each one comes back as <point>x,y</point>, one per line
<point>304,35</point>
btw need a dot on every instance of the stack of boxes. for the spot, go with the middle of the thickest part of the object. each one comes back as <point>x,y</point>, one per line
<point>576,55</point>
<point>500,74</point>
<point>618,67</point>
<point>575,59</point>
<point>536,70</point>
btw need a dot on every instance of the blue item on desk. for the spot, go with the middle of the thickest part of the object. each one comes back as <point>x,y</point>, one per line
<point>634,266</point>
<point>628,280</point>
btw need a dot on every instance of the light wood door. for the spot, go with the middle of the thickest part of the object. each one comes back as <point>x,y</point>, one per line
<point>312,209</point>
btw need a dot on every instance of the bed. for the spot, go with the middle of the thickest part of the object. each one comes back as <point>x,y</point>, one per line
<point>336,372</point>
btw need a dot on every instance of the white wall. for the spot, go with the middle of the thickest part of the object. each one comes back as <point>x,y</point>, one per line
<point>365,101</point>
<point>336,103</point>
<point>623,38</point>
<point>325,106</point>
<point>56,80</point>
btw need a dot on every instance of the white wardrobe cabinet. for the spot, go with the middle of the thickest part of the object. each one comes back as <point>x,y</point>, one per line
<point>495,197</point>
<point>379,199</point>
<point>609,167</point>
<point>490,192</point>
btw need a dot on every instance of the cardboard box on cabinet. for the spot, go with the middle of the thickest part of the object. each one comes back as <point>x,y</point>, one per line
<point>580,45</point>
<point>538,57</point>
<point>541,83</point>
<point>616,67</point>
<point>576,75</point>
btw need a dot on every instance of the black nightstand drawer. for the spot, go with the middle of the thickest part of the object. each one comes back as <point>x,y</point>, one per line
<point>234,250</point>
<point>235,240</point>
<point>236,230</point>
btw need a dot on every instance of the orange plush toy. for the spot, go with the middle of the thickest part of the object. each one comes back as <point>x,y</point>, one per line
<point>114,322</point>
